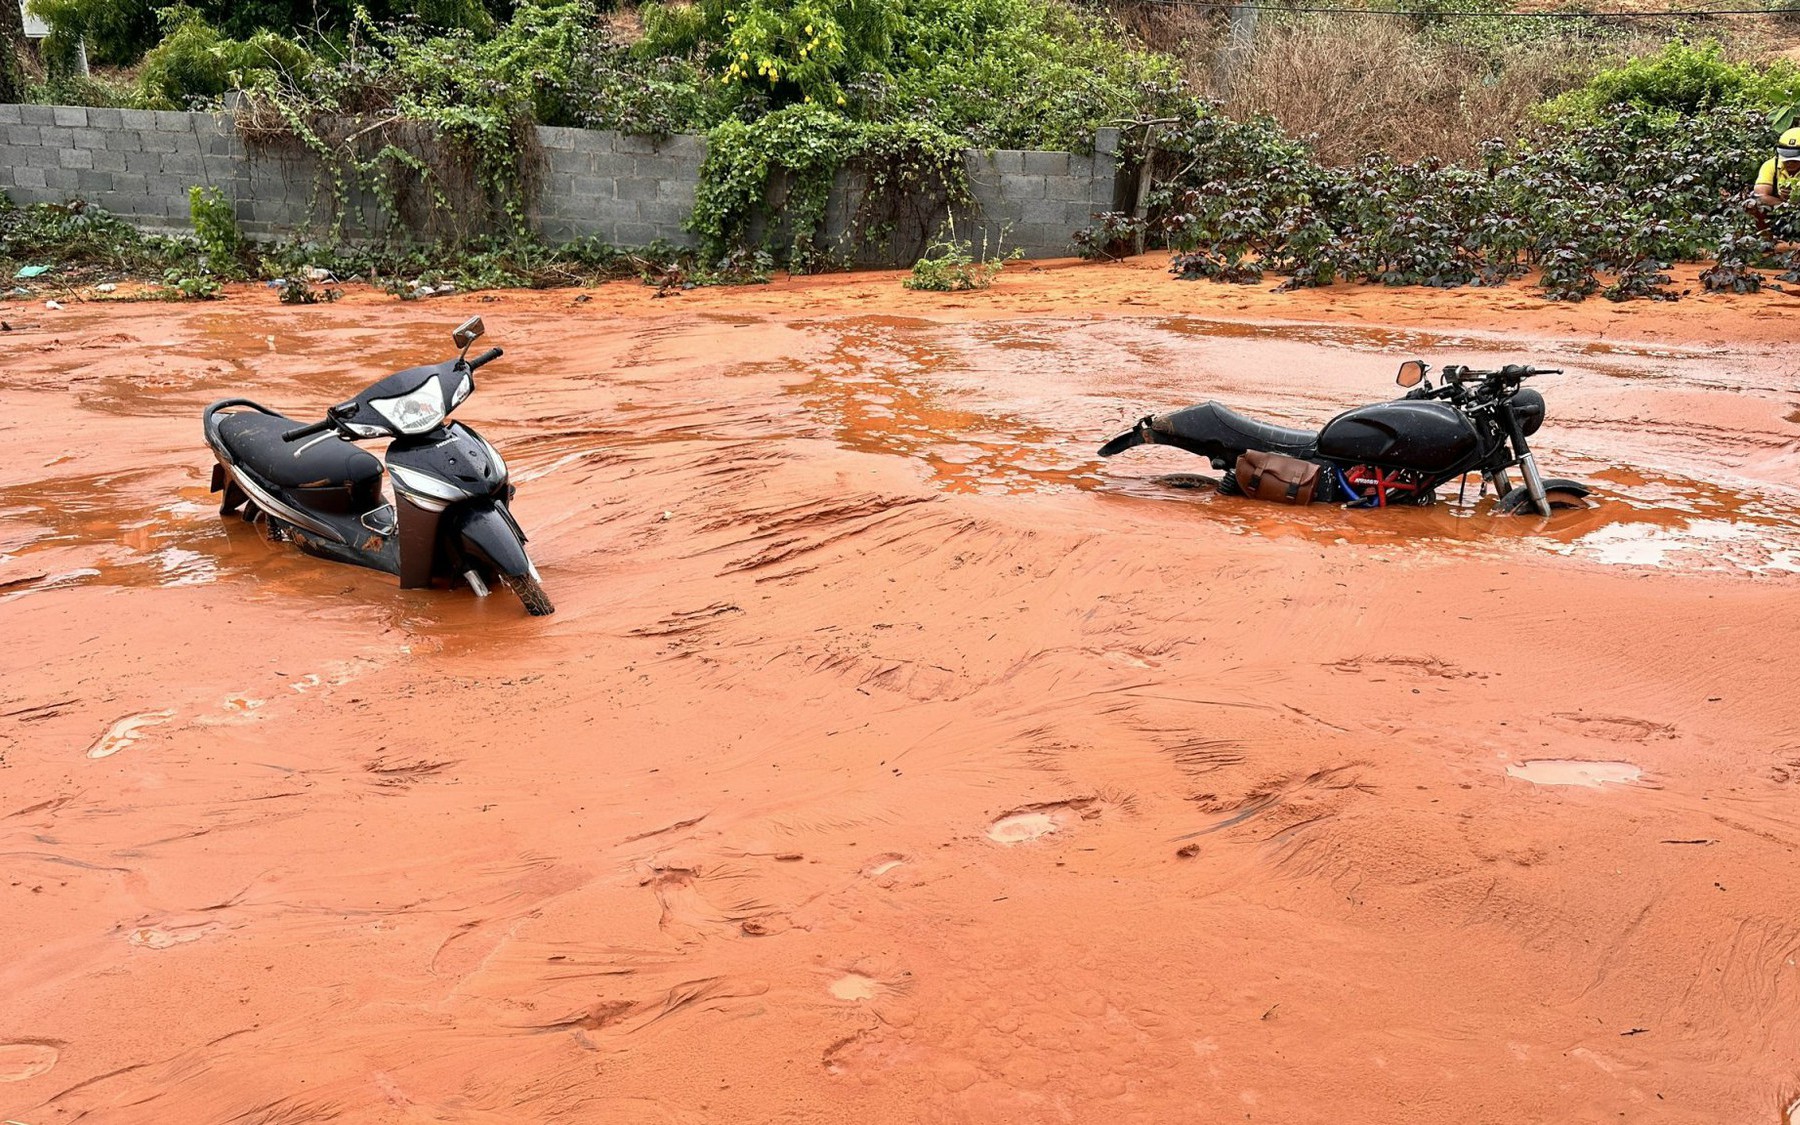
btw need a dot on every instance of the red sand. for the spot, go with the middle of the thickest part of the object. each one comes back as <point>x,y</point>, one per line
<point>890,758</point>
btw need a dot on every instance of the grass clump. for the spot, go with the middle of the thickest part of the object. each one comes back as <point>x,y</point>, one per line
<point>954,265</point>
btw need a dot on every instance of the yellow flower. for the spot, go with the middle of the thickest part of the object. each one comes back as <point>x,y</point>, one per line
<point>840,99</point>
<point>809,29</point>
<point>743,56</point>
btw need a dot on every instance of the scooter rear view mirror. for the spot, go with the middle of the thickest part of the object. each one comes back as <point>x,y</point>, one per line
<point>1410,373</point>
<point>468,332</point>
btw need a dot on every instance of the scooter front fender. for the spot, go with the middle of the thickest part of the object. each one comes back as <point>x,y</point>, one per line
<point>487,534</point>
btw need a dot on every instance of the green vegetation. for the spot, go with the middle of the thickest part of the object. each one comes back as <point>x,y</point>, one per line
<point>431,119</point>
<point>1681,80</point>
<point>86,246</point>
<point>1624,150</point>
<point>1624,197</point>
<point>952,265</point>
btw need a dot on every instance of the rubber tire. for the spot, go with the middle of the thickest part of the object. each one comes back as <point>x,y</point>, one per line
<point>531,592</point>
<point>1561,500</point>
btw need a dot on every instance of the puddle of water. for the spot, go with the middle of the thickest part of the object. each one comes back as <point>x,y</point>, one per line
<point>880,393</point>
<point>855,987</point>
<point>1396,341</point>
<point>1021,827</point>
<point>1565,771</point>
<point>115,524</point>
<point>883,866</point>
<point>1705,542</point>
<point>904,387</point>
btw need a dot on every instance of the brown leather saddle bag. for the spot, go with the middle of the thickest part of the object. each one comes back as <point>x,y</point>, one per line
<point>1270,476</point>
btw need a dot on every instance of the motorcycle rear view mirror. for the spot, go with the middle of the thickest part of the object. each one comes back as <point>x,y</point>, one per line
<point>1410,373</point>
<point>468,332</point>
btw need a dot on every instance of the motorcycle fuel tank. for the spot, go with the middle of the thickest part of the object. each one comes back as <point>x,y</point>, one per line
<point>1428,436</point>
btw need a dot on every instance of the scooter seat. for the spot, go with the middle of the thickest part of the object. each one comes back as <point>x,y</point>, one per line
<point>323,461</point>
<point>1216,424</point>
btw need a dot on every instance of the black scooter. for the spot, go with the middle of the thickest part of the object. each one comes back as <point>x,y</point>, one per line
<point>1397,452</point>
<point>449,517</point>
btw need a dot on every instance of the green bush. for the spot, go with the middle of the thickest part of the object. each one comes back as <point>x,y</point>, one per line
<point>1640,189</point>
<point>578,74</point>
<point>999,73</point>
<point>1019,73</point>
<point>194,63</point>
<point>952,265</point>
<point>1682,79</point>
<point>117,32</point>
<point>223,247</point>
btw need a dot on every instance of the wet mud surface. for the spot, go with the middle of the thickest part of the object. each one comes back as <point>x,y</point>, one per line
<point>891,757</point>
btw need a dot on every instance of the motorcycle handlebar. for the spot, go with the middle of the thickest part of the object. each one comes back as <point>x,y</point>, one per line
<point>486,357</point>
<point>1510,371</point>
<point>307,431</point>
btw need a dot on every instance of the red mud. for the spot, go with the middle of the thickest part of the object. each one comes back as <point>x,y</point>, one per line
<point>890,758</point>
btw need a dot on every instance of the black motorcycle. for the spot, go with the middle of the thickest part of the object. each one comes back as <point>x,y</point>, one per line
<point>449,518</point>
<point>1387,453</point>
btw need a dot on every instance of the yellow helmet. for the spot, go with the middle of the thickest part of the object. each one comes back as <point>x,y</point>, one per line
<point>1787,146</point>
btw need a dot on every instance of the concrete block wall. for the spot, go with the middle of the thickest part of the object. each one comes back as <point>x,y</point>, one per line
<point>624,190</point>
<point>1034,201</point>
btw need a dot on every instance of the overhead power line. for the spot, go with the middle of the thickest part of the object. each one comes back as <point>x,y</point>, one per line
<point>1674,13</point>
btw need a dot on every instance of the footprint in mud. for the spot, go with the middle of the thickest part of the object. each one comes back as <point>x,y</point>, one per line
<point>884,864</point>
<point>124,732</point>
<point>866,979</point>
<point>855,987</point>
<point>1616,728</point>
<point>1034,822</point>
<point>27,1059</point>
<point>1565,771</point>
<point>1020,827</point>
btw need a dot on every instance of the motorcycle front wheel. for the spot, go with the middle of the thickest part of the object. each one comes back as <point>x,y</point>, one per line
<point>531,593</point>
<point>1561,498</point>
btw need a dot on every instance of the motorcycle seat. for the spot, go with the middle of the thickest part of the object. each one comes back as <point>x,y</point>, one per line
<point>1215,423</point>
<point>323,461</point>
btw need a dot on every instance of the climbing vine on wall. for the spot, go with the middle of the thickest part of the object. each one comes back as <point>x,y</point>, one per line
<point>779,169</point>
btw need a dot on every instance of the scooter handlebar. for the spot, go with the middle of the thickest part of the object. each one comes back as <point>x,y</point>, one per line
<point>307,431</point>
<point>486,357</point>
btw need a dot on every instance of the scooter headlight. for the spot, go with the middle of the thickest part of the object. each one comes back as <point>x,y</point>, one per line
<point>414,413</point>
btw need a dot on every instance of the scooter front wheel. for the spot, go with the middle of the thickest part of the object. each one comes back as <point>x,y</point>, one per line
<point>531,592</point>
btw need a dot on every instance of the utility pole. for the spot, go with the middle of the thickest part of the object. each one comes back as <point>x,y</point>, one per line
<point>1238,43</point>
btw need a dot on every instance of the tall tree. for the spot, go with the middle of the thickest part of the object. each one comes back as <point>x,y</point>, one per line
<point>12,52</point>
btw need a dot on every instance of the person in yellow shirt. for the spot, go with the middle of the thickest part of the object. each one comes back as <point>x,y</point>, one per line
<point>1776,181</point>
